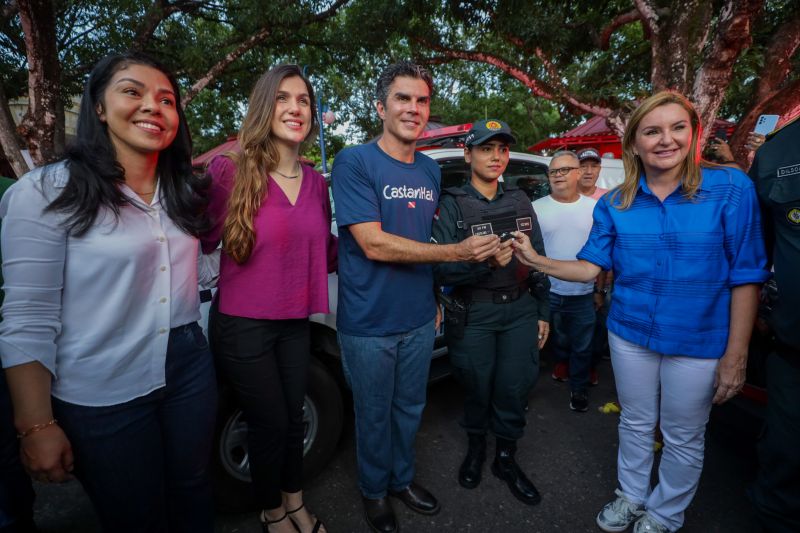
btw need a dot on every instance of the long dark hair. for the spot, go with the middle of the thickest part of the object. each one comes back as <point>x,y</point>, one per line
<point>259,155</point>
<point>95,174</point>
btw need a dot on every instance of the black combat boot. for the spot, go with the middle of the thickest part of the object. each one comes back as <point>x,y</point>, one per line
<point>507,469</point>
<point>469,475</point>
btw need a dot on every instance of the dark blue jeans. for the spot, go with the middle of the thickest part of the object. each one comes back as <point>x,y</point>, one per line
<point>573,319</point>
<point>16,492</point>
<point>144,463</point>
<point>389,379</point>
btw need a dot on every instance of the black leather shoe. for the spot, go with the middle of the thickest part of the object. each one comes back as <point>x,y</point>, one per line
<point>418,499</point>
<point>380,515</point>
<point>469,475</point>
<point>507,469</point>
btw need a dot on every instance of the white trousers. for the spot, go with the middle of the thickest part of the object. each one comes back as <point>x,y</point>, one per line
<point>676,391</point>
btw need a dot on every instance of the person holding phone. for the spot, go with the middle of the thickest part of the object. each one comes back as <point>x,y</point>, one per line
<point>684,240</point>
<point>719,151</point>
<point>492,343</point>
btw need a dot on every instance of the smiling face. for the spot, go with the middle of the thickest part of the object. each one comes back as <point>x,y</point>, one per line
<point>663,140</point>
<point>488,160</point>
<point>291,118</point>
<point>138,108</point>
<point>406,110</point>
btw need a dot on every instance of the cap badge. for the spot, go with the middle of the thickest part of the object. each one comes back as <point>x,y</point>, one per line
<point>493,125</point>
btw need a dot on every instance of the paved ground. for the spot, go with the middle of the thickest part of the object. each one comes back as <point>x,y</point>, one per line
<point>571,458</point>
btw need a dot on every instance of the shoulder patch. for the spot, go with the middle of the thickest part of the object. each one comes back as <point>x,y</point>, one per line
<point>793,216</point>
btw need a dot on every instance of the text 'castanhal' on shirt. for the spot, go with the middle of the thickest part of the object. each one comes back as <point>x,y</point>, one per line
<point>422,193</point>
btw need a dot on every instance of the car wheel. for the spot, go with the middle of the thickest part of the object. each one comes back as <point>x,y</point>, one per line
<point>322,417</point>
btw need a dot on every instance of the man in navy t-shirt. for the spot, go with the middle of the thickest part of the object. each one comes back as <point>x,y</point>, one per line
<point>386,195</point>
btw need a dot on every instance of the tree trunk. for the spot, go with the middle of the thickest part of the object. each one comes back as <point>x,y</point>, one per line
<point>38,126</point>
<point>771,96</point>
<point>733,35</point>
<point>9,140</point>
<point>678,33</point>
<point>784,103</point>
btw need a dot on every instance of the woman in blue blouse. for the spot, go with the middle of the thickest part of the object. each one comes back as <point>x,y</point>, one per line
<point>684,240</point>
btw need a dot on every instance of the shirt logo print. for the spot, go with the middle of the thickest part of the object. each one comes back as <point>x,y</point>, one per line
<point>412,205</point>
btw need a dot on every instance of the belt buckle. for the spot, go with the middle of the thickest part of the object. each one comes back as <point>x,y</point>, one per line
<point>503,297</point>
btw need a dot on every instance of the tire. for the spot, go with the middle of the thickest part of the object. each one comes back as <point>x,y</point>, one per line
<point>322,415</point>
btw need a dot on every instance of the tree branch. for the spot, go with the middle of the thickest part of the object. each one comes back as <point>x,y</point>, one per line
<point>536,86</point>
<point>649,15</point>
<point>248,44</point>
<point>733,34</point>
<point>38,126</point>
<point>778,58</point>
<point>255,39</point>
<point>331,11</point>
<point>9,10</point>
<point>620,21</point>
<point>159,11</point>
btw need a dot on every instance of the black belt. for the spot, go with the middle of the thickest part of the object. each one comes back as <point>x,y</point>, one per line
<point>498,296</point>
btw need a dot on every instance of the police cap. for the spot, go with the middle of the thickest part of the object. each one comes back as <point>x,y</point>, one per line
<point>485,130</point>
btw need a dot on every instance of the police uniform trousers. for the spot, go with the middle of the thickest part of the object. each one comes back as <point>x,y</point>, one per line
<point>497,363</point>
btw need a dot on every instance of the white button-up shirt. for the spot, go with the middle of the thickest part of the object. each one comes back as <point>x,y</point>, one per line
<point>95,310</point>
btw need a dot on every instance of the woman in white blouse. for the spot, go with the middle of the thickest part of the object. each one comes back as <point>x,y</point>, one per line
<point>109,372</point>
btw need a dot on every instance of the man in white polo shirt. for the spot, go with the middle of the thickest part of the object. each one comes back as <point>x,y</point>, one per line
<point>565,217</point>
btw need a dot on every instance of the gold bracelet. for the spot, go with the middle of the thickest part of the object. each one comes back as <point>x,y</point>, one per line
<point>35,428</point>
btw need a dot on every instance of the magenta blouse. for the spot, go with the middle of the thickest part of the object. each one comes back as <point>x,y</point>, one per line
<point>286,275</point>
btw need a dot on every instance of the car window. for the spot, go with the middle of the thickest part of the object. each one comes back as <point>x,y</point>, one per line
<point>455,172</point>
<point>528,176</point>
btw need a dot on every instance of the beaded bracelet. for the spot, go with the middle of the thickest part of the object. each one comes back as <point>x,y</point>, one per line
<point>35,428</point>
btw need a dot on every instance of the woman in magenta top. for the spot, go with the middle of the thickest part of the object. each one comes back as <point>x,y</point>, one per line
<point>273,217</point>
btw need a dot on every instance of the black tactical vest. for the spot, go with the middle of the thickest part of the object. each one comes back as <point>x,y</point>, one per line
<point>512,211</point>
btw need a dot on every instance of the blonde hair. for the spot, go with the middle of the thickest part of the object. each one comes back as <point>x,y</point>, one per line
<point>258,156</point>
<point>691,176</point>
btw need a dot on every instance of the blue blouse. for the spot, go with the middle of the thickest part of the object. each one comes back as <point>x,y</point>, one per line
<point>676,261</point>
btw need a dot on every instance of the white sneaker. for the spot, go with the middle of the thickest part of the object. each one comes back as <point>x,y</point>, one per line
<point>648,524</point>
<point>616,516</point>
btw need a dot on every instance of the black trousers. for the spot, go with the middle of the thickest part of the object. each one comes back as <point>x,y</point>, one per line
<point>266,363</point>
<point>16,492</point>
<point>497,363</point>
<point>776,492</point>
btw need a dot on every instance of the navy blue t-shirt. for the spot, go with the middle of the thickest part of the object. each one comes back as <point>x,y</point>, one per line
<point>378,298</point>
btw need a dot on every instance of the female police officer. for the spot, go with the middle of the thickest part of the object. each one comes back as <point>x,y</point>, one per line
<point>492,320</point>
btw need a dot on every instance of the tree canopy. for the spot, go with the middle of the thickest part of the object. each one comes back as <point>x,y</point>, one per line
<point>542,66</point>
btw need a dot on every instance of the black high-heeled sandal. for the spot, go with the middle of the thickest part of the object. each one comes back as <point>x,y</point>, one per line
<point>265,524</point>
<point>317,525</point>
